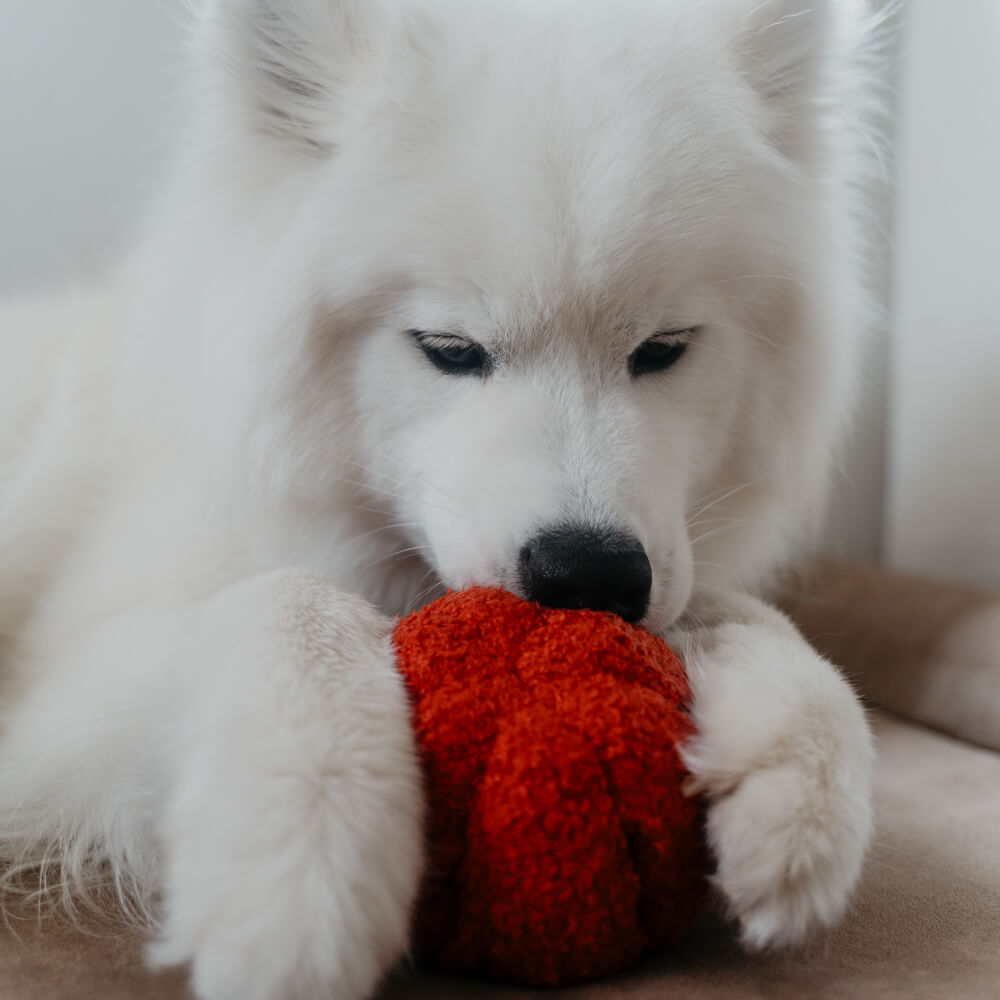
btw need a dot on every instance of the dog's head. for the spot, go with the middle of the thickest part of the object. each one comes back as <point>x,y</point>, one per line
<point>564,278</point>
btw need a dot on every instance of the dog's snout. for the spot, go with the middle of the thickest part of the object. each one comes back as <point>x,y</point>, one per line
<point>570,567</point>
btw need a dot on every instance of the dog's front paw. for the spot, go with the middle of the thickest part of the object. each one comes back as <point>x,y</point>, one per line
<point>300,911</point>
<point>293,836</point>
<point>784,756</point>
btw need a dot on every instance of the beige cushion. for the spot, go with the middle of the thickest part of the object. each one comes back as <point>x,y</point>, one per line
<point>927,650</point>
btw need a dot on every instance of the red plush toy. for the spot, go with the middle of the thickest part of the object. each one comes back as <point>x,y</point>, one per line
<point>561,846</point>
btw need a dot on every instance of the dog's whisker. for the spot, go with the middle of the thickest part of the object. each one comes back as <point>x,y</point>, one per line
<point>701,522</point>
<point>425,593</point>
<point>712,500</point>
<point>409,498</point>
<point>760,277</point>
<point>378,490</point>
<point>382,528</point>
<point>396,481</point>
<point>728,526</point>
<point>749,333</point>
<point>408,486</point>
<point>707,497</point>
<point>401,553</point>
<point>701,345</point>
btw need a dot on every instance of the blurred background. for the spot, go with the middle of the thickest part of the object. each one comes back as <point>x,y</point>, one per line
<point>86,92</point>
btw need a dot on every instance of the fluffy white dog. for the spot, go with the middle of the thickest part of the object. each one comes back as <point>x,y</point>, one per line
<point>556,295</point>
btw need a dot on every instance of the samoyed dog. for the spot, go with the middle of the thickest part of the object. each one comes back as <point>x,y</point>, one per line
<point>551,295</point>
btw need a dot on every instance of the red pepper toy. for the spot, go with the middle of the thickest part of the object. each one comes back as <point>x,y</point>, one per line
<point>560,844</point>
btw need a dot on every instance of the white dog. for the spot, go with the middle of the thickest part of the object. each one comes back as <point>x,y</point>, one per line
<point>555,295</point>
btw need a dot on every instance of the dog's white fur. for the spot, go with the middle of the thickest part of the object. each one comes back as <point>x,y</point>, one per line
<point>216,467</point>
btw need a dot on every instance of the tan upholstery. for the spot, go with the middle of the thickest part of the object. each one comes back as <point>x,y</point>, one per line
<point>926,924</point>
<point>926,650</point>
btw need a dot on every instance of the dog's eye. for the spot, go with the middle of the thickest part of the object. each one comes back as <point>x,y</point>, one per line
<point>452,355</point>
<point>659,352</point>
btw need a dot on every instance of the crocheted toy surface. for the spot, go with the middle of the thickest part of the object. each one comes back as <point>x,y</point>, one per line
<point>560,844</point>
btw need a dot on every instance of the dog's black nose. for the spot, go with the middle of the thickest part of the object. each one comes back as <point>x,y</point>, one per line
<point>570,567</point>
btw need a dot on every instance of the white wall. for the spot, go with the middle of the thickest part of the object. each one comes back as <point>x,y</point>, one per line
<point>943,510</point>
<point>83,85</point>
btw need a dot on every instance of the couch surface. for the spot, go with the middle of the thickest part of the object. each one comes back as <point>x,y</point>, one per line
<point>926,922</point>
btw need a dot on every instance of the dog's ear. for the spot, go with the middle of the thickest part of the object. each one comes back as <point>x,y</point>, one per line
<point>782,49</point>
<point>284,67</point>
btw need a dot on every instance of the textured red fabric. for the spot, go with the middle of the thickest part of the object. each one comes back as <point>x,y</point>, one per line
<point>560,845</point>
